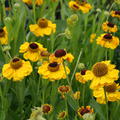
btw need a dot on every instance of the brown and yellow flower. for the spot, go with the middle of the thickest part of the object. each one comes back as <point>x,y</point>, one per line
<point>53,71</point>
<point>62,115</point>
<point>115,14</point>
<point>102,73</point>
<point>47,108</point>
<point>32,50</point>
<point>84,110</point>
<point>112,93</point>
<point>79,76</point>
<point>61,55</point>
<point>43,27</point>
<point>109,27</point>
<point>74,5</point>
<point>85,7</point>
<point>17,69</point>
<point>3,36</point>
<point>108,41</point>
<point>37,2</point>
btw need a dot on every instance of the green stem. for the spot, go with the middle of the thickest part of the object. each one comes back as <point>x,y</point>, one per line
<point>106,100</point>
<point>34,12</point>
<point>76,65</point>
<point>83,94</point>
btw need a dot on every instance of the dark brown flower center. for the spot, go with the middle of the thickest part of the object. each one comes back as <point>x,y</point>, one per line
<point>83,72</point>
<point>110,24</point>
<point>60,53</point>
<point>53,67</point>
<point>46,108</point>
<point>43,23</point>
<point>107,37</point>
<point>33,47</point>
<point>84,111</point>
<point>2,33</point>
<point>16,63</point>
<point>100,69</point>
<point>75,6</point>
<point>117,12</point>
<point>64,89</point>
<point>111,88</point>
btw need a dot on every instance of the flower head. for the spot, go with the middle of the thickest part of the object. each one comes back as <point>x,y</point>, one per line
<point>84,110</point>
<point>32,51</point>
<point>79,76</point>
<point>53,71</point>
<point>109,27</point>
<point>3,36</point>
<point>92,37</point>
<point>74,5</point>
<point>17,69</point>
<point>43,27</point>
<point>61,55</point>
<point>108,41</point>
<point>62,115</point>
<point>37,2</point>
<point>112,93</point>
<point>102,73</point>
<point>115,14</point>
<point>47,108</point>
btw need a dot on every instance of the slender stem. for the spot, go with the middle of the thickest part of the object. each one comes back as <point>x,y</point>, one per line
<point>76,65</point>
<point>83,94</point>
<point>106,100</point>
<point>34,11</point>
<point>66,74</point>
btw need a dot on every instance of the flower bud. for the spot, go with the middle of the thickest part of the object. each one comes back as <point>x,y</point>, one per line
<point>68,33</point>
<point>6,48</point>
<point>106,13</point>
<point>7,19</point>
<point>117,1</point>
<point>98,10</point>
<point>89,116</point>
<point>16,5</point>
<point>72,20</point>
<point>81,66</point>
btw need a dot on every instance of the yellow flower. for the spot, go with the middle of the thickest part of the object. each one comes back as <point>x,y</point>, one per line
<point>76,95</point>
<point>115,14</point>
<point>92,37</point>
<point>61,55</point>
<point>3,36</point>
<point>37,2</point>
<point>102,73</point>
<point>32,51</point>
<point>74,5</point>
<point>108,41</point>
<point>84,110</point>
<point>17,69</point>
<point>85,7</point>
<point>109,27</point>
<point>112,93</point>
<point>53,71</point>
<point>79,76</point>
<point>46,108</point>
<point>43,27</point>
<point>62,115</point>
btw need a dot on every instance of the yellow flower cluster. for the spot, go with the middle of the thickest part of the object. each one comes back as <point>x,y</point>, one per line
<point>102,76</point>
<point>77,5</point>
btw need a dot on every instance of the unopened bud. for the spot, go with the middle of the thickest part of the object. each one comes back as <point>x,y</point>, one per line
<point>68,33</point>
<point>81,66</point>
